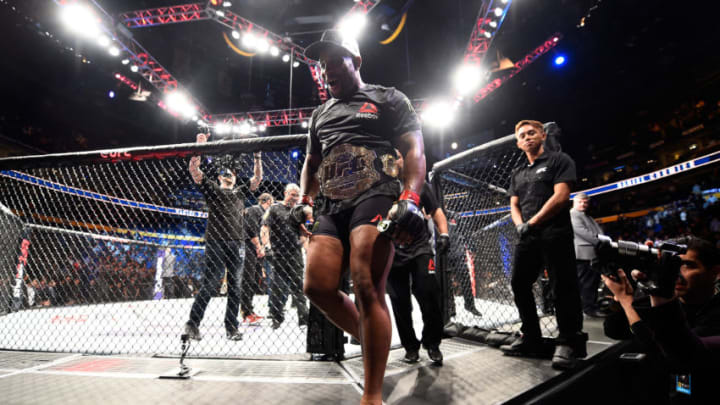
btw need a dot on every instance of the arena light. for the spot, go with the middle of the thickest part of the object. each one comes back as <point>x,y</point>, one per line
<point>222,128</point>
<point>304,124</point>
<point>487,34</point>
<point>227,4</point>
<point>296,64</point>
<point>498,12</point>
<point>235,34</point>
<point>262,45</point>
<point>134,68</point>
<point>454,145</point>
<point>274,51</point>
<point>103,41</point>
<point>125,61</point>
<point>249,41</point>
<point>560,60</point>
<point>466,78</point>
<point>262,128</point>
<point>245,128</point>
<point>111,94</point>
<point>352,25</point>
<point>81,20</point>
<point>180,103</point>
<point>439,114</point>
<point>286,58</point>
<point>114,51</point>
<point>220,13</point>
<point>493,24</point>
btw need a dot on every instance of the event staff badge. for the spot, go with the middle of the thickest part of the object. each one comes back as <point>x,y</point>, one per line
<point>347,171</point>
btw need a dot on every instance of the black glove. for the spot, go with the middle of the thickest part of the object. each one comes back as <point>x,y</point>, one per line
<point>407,217</point>
<point>522,229</point>
<point>443,243</point>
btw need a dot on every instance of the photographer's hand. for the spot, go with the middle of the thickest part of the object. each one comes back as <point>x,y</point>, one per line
<point>623,293</point>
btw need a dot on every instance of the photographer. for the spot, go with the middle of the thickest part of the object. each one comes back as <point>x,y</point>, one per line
<point>682,320</point>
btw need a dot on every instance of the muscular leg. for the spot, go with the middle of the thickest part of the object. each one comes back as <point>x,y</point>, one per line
<point>322,282</point>
<point>370,260</point>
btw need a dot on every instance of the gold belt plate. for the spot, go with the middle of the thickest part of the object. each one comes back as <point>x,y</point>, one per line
<point>347,171</point>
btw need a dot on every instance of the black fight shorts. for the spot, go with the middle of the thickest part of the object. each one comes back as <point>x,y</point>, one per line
<point>368,212</point>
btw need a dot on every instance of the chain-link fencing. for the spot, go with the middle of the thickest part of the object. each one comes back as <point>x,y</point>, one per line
<point>120,249</point>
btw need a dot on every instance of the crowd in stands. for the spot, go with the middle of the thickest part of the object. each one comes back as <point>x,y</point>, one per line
<point>106,272</point>
<point>697,215</point>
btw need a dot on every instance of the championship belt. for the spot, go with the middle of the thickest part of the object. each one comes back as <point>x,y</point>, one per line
<point>348,171</point>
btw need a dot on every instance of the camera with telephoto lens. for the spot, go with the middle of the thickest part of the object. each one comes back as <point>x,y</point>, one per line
<point>660,263</point>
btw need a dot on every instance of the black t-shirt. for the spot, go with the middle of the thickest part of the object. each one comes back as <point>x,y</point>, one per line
<point>421,245</point>
<point>533,184</point>
<point>225,211</point>
<point>284,231</point>
<point>374,117</point>
<point>253,218</point>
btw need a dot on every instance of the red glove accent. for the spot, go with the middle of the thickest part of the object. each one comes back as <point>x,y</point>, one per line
<point>307,200</point>
<point>410,195</point>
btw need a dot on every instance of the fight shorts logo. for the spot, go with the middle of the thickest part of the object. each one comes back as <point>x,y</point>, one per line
<point>368,111</point>
<point>347,172</point>
<point>377,218</point>
<point>431,266</point>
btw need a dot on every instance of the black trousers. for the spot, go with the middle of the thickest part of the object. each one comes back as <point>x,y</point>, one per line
<point>220,255</point>
<point>416,276</point>
<point>170,286</point>
<point>556,253</point>
<point>252,273</point>
<point>588,282</point>
<point>287,280</point>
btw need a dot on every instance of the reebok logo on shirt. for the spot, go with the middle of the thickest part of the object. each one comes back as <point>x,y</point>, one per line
<point>368,111</point>
<point>541,170</point>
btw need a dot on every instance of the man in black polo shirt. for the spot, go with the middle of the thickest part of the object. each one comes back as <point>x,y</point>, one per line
<point>414,264</point>
<point>254,254</point>
<point>539,205</point>
<point>349,166</point>
<point>280,230</point>
<point>224,235</point>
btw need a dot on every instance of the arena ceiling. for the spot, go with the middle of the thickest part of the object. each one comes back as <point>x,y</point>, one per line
<point>626,59</point>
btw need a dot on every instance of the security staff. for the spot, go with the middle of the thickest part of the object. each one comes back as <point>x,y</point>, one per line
<point>254,255</point>
<point>539,203</point>
<point>414,265</point>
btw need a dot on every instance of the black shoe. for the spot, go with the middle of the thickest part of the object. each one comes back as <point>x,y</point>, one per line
<point>435,355</point>
<point>233,334</point>
<point>527,347</point>
<point>411,356</point>
<point>474,311</point>
<point>192,331</point>
<point>276,324</point>
<point>303,321</point>
<point>354,341</point>
<point>564,358</point>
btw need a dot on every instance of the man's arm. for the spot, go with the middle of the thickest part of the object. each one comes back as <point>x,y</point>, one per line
<point>309,184</point>
<point>557,202</point>
<point>265,235</point>
<point>440,220</point>
<point>257,171</point>
<point>412,149</point>
<point>195,172</point>
<point>515,210</point>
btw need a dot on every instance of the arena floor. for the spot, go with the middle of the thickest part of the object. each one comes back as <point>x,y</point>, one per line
<point>471,374</point>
